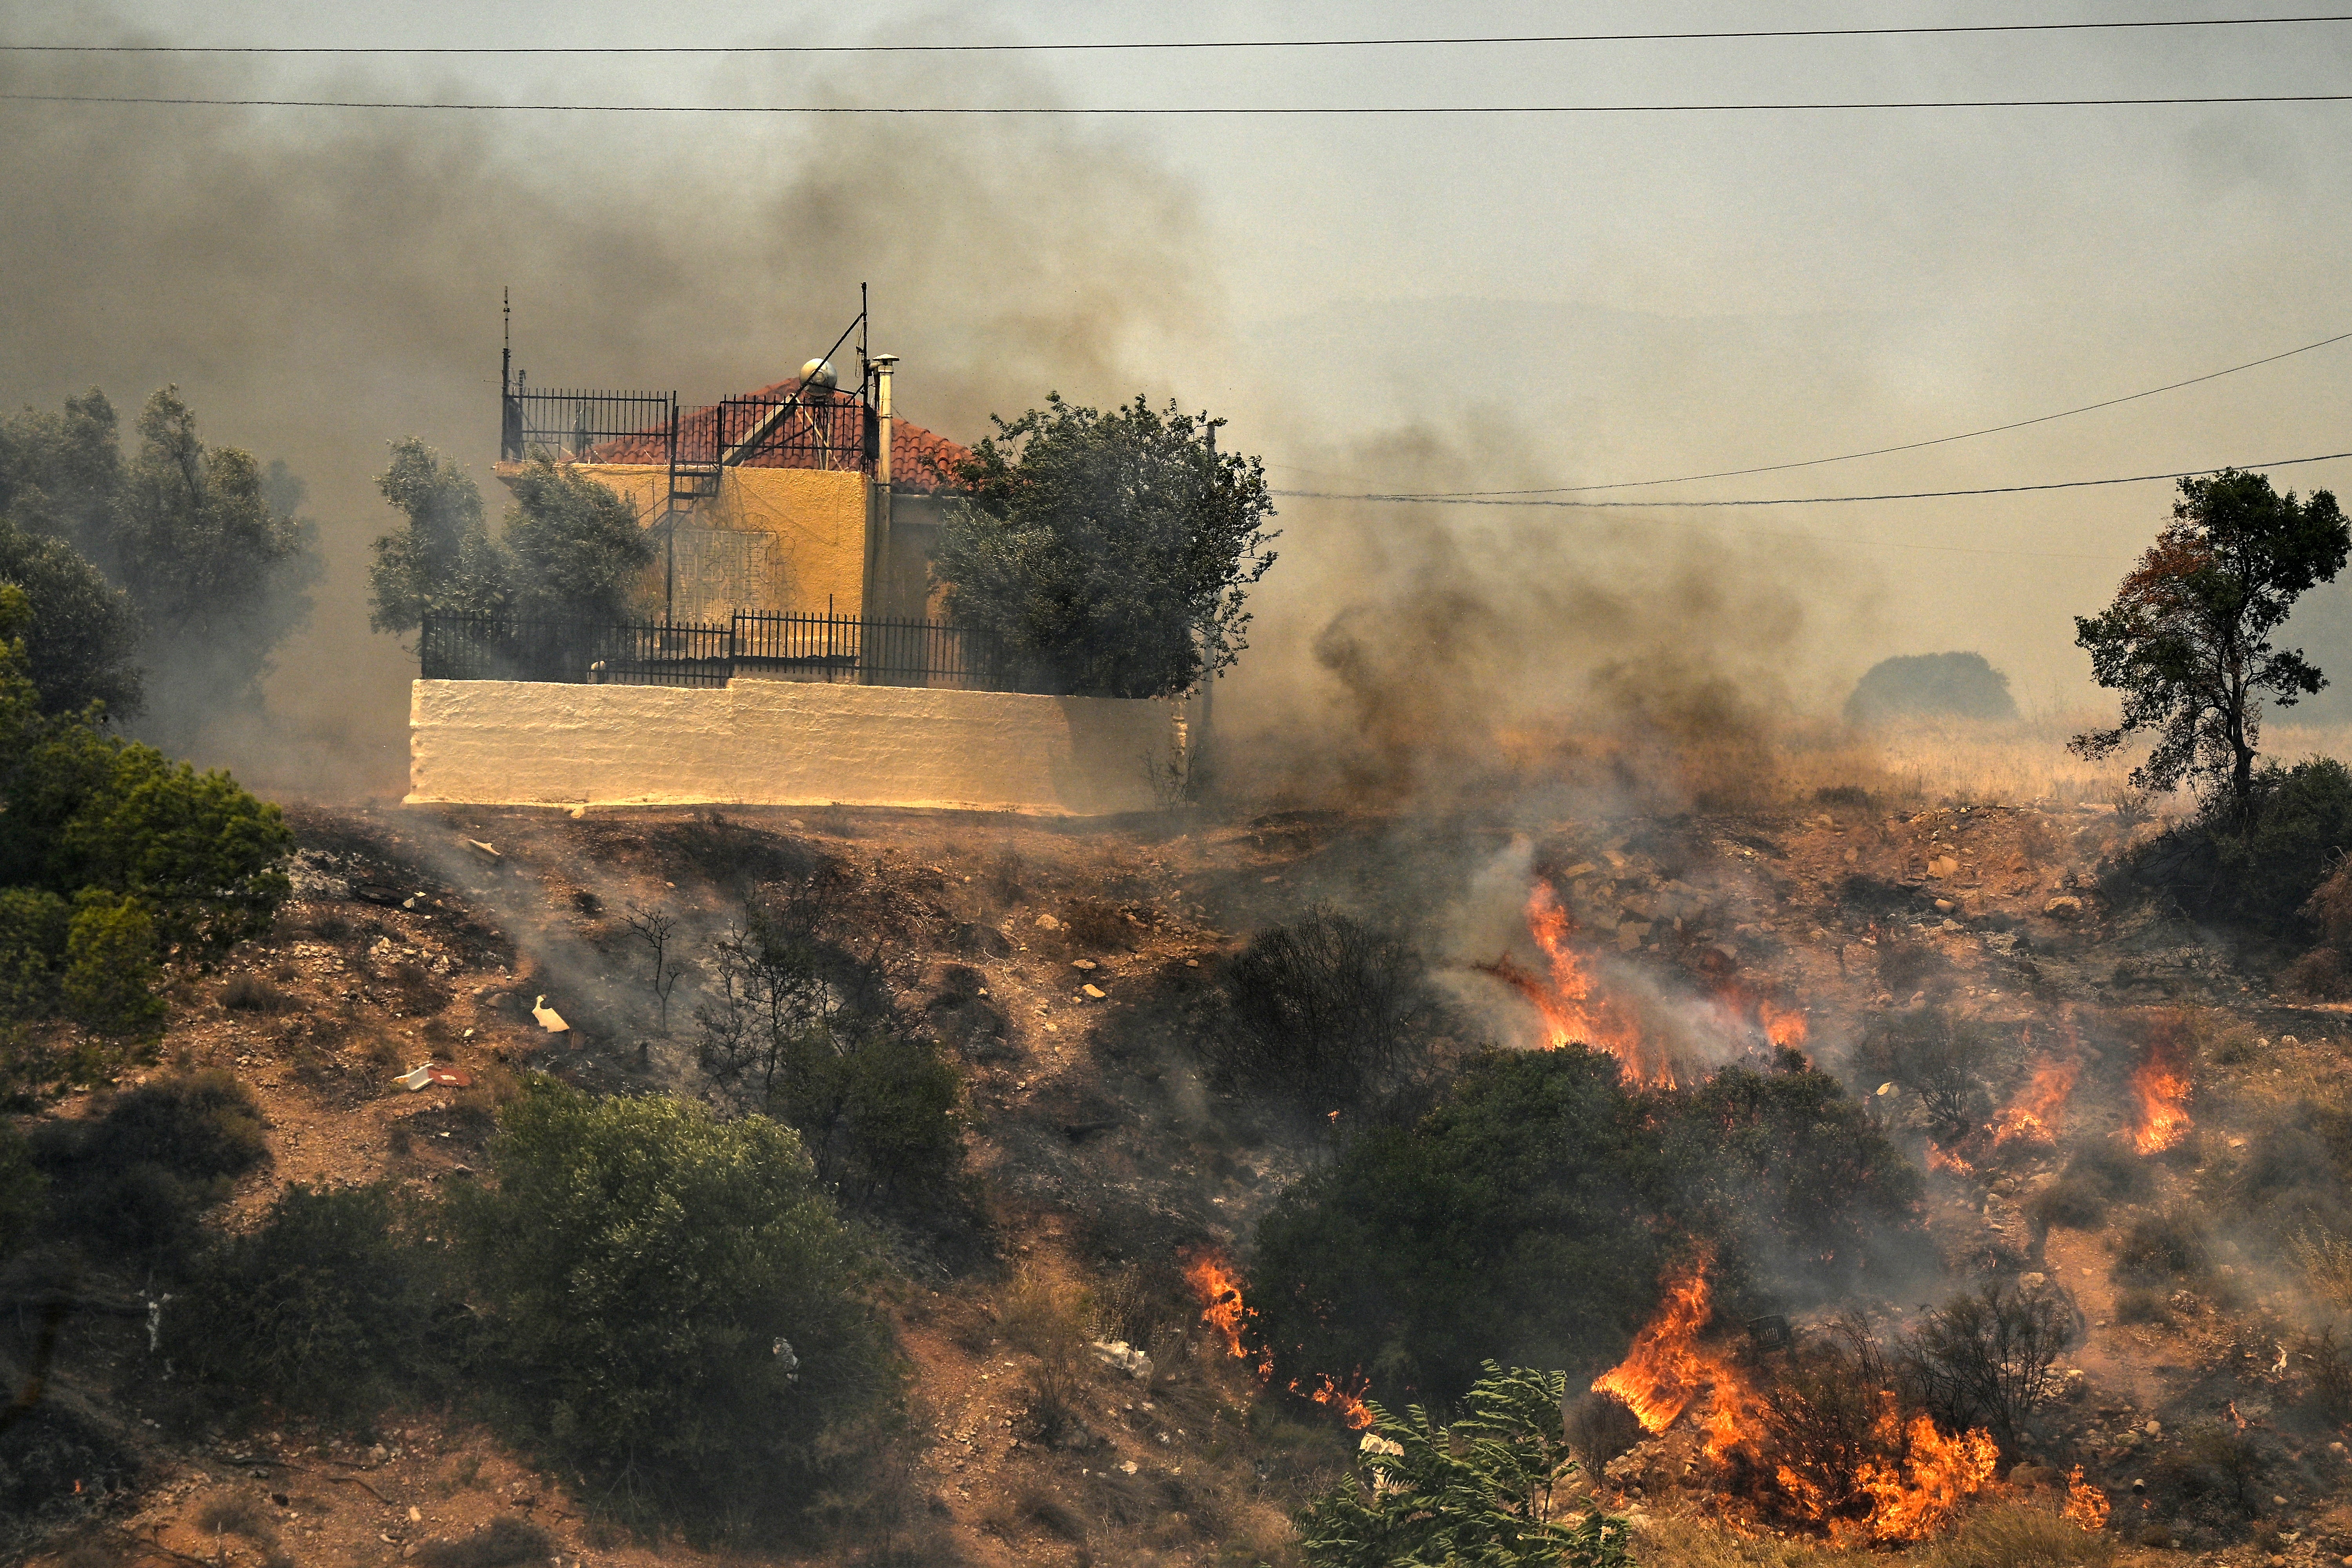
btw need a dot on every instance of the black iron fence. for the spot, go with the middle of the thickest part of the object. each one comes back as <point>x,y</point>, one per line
<point>563,424</point>
<point>831,649</point>
<point>784,433</point>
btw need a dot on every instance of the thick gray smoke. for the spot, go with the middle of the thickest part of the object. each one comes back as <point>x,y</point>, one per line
<point>320,283</point>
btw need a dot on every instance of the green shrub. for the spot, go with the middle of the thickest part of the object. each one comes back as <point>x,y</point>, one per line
<point>2096,1176</point>
<point>1518,1218</point>
<point>666,1300</point>
<point>2259,869</point>
<point>111,973</point>
<point>139,1176</point>
<point>33,925</point>
<point>504,1542</point>
<point>322,1306</point>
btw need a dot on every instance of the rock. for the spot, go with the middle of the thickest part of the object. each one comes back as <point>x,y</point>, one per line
<point>2064,907</point>
<point>1943,865</point>
<point>1048,922</point>
<point>2154,1427</point>
<point>973,939</point>
<point>1088,965</point>
<point>2033,1281</point>
<point>1944,906</point>
<point>1093,992</point>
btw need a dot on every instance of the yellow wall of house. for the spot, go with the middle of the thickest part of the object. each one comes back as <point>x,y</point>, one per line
<point>772,542</point>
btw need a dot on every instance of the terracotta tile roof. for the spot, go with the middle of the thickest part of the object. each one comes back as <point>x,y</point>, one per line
<point>920,459</point>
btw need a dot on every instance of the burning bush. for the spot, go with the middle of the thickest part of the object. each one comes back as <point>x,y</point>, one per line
<point>1326,1009</point>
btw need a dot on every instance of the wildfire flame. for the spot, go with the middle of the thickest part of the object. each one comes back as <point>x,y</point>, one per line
<point>1666,1366</point>
<point>1910,1493</point>
<point>2086,1505</point>
<point>2028,1114</point>
<point>1571,1012</point>
<point>1347,1398</point>
<point>1219,1289</point>
<point>1782,1025</point>
<point>2160,1090</point>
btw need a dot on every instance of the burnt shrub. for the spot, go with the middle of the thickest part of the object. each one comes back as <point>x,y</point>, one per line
<point>2217,1470</point>
<point>2158,1247</point>
<point>2139,1304</point>
<point>1325,1009</point>
<point>1095,925</point>
<point>323,1306</point>
<point>2327,1371</point>
<point>1984,1358</point>
<point>1598,1428</point>
<point>2096,1176</point>
<point>1941,1058</point>
<point>250,992</point>
<point>138,1176</point>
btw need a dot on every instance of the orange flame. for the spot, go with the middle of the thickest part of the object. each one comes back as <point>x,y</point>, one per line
<point>1916,1494</point>
<point>1347,1398</point>
<point>2160,1090</point>
<point>2029,1114</point>
<point>1666,1366</point>
<point>2086,1505</point>
<point>1572,1014</point>
<point>1219,1289</point>
<point>1941,1158</point>
<point>1782,1025</point>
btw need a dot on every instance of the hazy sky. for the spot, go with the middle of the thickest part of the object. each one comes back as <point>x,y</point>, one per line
<point>1454,302</point>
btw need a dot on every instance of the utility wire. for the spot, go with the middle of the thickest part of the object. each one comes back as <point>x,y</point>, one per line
<point>1911,446</point>
<point>1423,499</point>
<point>1236,112</point>
<point>1170,44</point>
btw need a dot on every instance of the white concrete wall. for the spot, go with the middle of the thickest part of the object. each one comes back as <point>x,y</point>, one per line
<point>776,743</point>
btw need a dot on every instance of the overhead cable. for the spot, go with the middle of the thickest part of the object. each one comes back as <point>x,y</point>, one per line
<point>1464,499</point>
<point>1183,111</point>
<point>1916,445</point>
<point>1434,42</point>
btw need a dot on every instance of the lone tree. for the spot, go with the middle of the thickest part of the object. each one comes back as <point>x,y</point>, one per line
<point>2188,639</point>
<point>1107,554</point>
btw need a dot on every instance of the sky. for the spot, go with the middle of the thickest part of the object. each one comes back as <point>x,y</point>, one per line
<point>1375,303</point>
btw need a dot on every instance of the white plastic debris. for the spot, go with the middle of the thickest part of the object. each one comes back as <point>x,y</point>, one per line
<point>416,1078</point>
<point>549,1018</point>
<point>1126,1358</point>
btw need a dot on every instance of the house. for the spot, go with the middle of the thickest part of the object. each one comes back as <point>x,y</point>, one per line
<point>796,499</point>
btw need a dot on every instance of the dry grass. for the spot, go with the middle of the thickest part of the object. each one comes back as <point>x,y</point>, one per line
<point>2017,1536</point>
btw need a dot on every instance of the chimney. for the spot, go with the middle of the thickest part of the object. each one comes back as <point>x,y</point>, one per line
<point>878,552</point>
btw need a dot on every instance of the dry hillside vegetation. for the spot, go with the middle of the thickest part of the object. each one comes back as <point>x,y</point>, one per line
<point>2108,1109</point>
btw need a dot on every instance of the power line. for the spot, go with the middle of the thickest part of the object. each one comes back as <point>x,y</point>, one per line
<point>1470,498</point>
<point>1236,112</point>
<point>1166,44</point>
<point>1913,446</point>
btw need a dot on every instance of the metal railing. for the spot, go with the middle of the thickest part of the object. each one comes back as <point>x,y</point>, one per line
<point>821,433</point>
<point>828,648</point>
<point>566,424</point>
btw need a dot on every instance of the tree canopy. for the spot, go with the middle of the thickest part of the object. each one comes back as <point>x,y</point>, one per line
<point>2188,638</point>
<point>570,549</point>
<point>204,545</point>
<point>1107,554</point>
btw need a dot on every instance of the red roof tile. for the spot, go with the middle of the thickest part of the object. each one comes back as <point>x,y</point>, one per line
<point>920,459</point>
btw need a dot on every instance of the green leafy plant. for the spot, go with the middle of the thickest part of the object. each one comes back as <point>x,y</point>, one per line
<point>1484,1489</point>
<point>2186,640</point>
<point>1107,554</point>
<point>666,1300</point>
